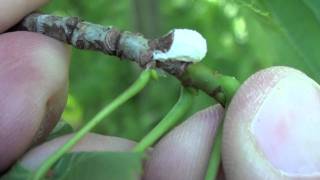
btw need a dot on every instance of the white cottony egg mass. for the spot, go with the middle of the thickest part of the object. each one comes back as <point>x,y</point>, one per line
<point>188,45</point>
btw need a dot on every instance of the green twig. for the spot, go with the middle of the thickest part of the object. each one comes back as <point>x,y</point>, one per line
<point>220,87</point>
<point>171,119</point>
<point>215,157</point>
<point>229,86</point>
<point>135,88</point>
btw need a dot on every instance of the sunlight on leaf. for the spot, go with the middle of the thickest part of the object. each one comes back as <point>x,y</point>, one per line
<point>231,9</point>
<point>240,29</point>
<point>73,113</point>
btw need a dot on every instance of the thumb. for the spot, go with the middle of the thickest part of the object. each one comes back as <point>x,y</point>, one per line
<point>33,88</point>
<point>271,128</point>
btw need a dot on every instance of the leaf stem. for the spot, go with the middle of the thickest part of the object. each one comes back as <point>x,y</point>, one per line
<point>220,87</point>
<point>229,86</point>
<point>135,88</point>
<point>170,120</point>
<point>215,156</point>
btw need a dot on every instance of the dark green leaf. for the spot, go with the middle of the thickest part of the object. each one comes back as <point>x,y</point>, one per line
<point>87,166</point>
<point>61,128</point>
<point>293,37</point>
<point>98,165</point>
<point>302,28</point>
<point>16,173</point>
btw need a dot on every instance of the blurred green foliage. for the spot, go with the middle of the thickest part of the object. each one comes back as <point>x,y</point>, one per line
<point>243,36</point>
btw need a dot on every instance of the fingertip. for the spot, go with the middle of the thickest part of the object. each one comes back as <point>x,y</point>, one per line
<point>39,56</point>
<point>275,110</point>
<point>11,11</point>
<point>34,79</point>
<point>184,152</point>
<point>91,142</point>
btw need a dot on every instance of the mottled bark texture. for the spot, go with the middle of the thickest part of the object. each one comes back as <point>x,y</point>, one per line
<point>125,45</point>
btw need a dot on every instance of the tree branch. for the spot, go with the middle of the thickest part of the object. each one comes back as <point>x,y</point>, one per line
<point>126,45</point>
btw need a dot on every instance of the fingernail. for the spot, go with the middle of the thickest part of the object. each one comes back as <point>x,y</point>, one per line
<point>271,127</point>
<point>286,126</point>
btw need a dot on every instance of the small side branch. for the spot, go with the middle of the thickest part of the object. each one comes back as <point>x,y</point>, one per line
<point>125,45</point>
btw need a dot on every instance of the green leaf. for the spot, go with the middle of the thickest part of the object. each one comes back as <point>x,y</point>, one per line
<point>89,165</point>
<point>294,33</point>
<point>17,173</point>
<point>73,113</point>
<point>314,7</point>
<point>98,165</point>
<point>301,27</point>
<point>61,128</point>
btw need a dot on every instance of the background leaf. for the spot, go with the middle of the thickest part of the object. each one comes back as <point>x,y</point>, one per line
<point>289,31</point>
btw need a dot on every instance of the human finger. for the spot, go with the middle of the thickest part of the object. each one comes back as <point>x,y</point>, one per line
<point>183,154</point>
<point>11,11</point>
<point>271,128</point>
<point>33,90</point>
